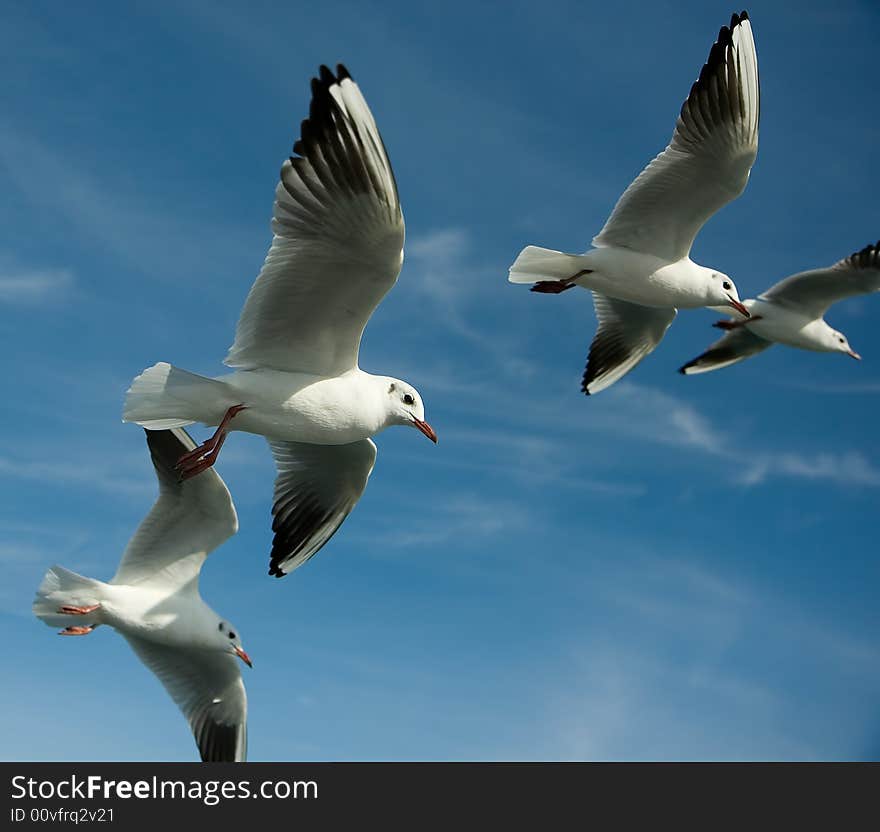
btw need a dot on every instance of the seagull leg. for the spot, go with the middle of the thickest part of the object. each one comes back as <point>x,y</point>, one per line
<point>71,610</point>
<point>75,631</point>
<point>728,326</point>
<point>552,287</point>
<point>205,455</point>
<point>555,287</point>
<point>196,466</point>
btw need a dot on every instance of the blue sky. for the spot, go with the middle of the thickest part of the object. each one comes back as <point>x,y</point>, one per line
<point>678,568</point>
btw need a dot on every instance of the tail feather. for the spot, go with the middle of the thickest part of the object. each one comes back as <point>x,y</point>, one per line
<point>537,265</point>
<point>164,397</point>
<point>61,587</point>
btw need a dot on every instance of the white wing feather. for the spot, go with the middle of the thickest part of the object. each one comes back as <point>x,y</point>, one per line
<point>337,246</point>
<point>188,520</point>
<point>816,290</point>
<point>627,333</point>
<point>708,160</point>
<point>316,489</point>
<point>207,687</point>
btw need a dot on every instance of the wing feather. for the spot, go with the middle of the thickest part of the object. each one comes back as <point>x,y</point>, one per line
<point>707,162</point>
<point>316,489</point>
<point>816,290</point>
<point>731,348</point>
<point>337,246</point>
<point>627,333</point>
<point>208,689</point>
<point>188,520</point>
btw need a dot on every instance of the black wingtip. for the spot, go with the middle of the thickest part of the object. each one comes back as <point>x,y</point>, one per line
<point>737,19</point>
<point>342,73</point>
<point>275,571</point>
<point>866,258</point>
<point>326,76</point>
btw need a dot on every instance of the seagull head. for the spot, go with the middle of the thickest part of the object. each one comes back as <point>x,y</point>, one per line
<point>405,407</point>
<point>723,295</point>
<point>227,639</point>
<point>836,342</point>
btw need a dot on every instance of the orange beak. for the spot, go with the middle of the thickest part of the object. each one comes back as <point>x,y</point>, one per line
<point>425,428</point>
<point>243,656</point>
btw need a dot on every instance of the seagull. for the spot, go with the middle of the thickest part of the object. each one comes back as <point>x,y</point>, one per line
<point>153,601</point>
<point>337,250</point>
<point>639,269</point>
<point>793,312</point>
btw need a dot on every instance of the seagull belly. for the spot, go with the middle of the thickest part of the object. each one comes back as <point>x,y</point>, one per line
<point>298,407</point>
<point>786,326</point>
<point>138,610</point>
<point>640,278</point>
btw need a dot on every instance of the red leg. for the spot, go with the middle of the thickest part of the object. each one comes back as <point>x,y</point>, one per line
<point>68,609</point>
<point>75,631</point>
<point>552,287</point>
<point>727,325</point>
<point>196,466</point>
<point>205,455</point>
<point>555,287</point>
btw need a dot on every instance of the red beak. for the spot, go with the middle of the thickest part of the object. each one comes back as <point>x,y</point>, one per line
<point>739,307</point>
<point>243,656</point>
<point>854,354</point>
<point>425,428</point>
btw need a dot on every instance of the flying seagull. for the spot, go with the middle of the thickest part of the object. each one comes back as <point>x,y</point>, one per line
<point>639,269</point>
<point>337,250</point>
<point>793,312</point>
<point>153,601</point>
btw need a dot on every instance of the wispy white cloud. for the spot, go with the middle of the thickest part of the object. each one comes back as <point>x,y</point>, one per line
<point>108,207</point>
<point>98,477</point>
<point>439,255</point>
<point>34,286</point>
<point>543,430</point>
<point>837,388</point>
<point>470,519</point>
<point>443,268</point>
<point>848,468</point>
<point>537,460</point>
<point>657,416</point>
<point>654,415</point>
<point>623,699</point>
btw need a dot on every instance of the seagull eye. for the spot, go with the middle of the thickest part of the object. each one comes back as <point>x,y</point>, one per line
<point>231,635</point>
<point>726,285</point>
<point>407,399</point>
<point>840,339</point>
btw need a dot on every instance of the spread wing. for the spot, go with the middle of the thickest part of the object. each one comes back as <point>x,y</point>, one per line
<point>708,160</point>
<point>316,489</point>
<point>814,291</point>
<point>731,348</point>
<point>338,241</point>
<point>627,333</point>
<point>208,688</point>
<point>188,520</point>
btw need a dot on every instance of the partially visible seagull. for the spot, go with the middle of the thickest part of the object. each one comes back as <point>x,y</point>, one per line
<point>337,250</point>
<point>792,312</point>
<point>640,269</point>
<point>153,601</point>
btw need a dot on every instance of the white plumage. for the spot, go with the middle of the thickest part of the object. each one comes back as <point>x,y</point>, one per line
<point>336,251</point>
<point>153,600</point>
<point>792,312</point>
<point>640,270</point>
